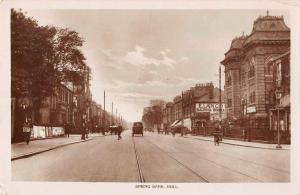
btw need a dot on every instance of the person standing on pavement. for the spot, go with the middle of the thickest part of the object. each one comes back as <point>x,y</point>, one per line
<point>120,129</point>
<point>83,131</point>
<point>87,131</point>
<point>173,132</point>
<point>216,135</point>
<point>27,129</point>
<point>67,129</point>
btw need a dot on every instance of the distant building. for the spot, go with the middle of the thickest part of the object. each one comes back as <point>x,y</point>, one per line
<point>177,107</point>
<point>96,116</point>
<point>168,114</point>
<point>197,106</point>
<point>204,106</point>
<point>248,78</point>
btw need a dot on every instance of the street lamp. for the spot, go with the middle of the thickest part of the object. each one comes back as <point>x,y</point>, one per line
<point>278,96</point>
<point>243,118</point>
<point>83,126</point>
<point>24,104</point>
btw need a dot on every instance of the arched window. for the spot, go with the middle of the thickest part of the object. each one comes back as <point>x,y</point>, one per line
<point>269,69</point>
<point>228,79</point>
<point>251,71</point>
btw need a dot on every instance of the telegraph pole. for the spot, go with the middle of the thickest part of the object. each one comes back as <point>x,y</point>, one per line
<point>116,115</point>
<point>112,113</point>
<point>104,112</point>
<point>220,98</point>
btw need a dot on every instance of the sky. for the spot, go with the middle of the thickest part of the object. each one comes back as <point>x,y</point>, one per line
<point>139,55</point>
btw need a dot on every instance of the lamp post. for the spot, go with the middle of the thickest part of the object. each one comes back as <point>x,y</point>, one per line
<point>24,104</point>
<point>278,96</point>
<point>244,112</point>
<point>243,118</point>
<point>24,110</point>
<point>88,125</point>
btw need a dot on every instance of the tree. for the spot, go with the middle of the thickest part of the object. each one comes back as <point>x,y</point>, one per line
<point>42,57</point>
<point>29,46</point>
<point>153,115</point>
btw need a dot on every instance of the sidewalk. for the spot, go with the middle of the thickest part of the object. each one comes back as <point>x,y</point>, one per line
<point>22,150</point>
<point>241,143</point>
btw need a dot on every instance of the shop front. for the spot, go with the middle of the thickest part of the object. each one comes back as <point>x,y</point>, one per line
<point>205,116</point>
<point>280,121</point>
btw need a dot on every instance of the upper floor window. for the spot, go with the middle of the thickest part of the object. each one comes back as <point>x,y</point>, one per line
<point>269,69</point>
<point>251,71</point>
<point>252,97</point>
<point>229,103</point>
<point>228,79</point>
<point>243,83</point>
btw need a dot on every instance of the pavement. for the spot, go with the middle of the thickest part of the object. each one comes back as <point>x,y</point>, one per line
<point>242,143</point>
<point>22,150</point>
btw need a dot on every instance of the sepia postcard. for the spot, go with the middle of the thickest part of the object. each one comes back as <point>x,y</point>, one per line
<point>146,97</point>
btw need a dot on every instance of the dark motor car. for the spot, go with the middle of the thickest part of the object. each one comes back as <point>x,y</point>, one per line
<point>137,128</point>
<point>113,129</point>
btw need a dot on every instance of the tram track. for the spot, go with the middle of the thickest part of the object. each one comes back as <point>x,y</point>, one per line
<point>140,172</point>
<point>203,179</point>
<point>220,165</point>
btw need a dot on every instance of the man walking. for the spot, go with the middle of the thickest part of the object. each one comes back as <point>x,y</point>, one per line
<point>67,129</point>
<point>27,129</point>
<point>119,129</point>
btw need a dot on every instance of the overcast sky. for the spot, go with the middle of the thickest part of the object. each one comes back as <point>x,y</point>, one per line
<point>138,55</point>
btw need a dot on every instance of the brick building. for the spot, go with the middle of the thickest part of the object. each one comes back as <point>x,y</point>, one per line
<point>177,101</point>
<point>168,115</point>
<point>69,103</point>
<point>248,78</point>
<point>197,106</point>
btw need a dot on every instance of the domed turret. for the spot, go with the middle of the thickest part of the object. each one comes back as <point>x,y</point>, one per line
<point>237,43</point>
<point>269,28</point>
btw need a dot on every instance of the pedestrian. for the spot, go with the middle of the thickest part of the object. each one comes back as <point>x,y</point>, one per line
<point>27,129</point>
<point>87,131</point>
<point>67,129</point>
<point>103,130</point>
<point>119,129</point>
<point>216,135</point>
<point>83,131</point>
<point>173,132</point>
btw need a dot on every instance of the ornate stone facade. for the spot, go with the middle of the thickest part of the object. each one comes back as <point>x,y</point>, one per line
<point>248,78</point>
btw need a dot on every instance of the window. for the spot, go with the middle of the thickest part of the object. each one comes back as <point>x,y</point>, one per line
<point>269,69</point>
<point>243,79</point>
<point>229,103</point>
<point>251,71</point>
<point>252,97</point>
<point>228,80</point>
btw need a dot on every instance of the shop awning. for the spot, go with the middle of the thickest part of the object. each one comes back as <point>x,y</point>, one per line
<point>285,101</point>
<point>174,123</point>
<point>187,123</point>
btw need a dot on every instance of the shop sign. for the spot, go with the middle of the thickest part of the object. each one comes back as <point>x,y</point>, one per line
<point>209,107</point>
<point>251,109</point>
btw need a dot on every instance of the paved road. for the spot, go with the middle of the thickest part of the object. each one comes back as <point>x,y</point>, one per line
<point>154,158</point>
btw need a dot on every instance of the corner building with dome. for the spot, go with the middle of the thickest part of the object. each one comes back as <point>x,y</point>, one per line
<point>249,77</point>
